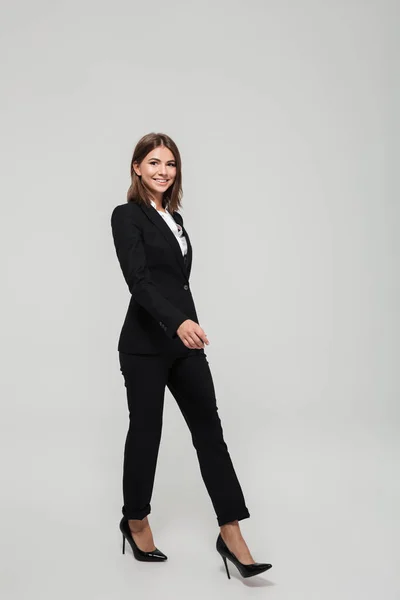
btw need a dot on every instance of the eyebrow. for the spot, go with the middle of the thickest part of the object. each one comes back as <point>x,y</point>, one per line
<point>154,158</point>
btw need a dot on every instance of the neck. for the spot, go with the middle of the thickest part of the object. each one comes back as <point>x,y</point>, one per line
<point>158,199</point>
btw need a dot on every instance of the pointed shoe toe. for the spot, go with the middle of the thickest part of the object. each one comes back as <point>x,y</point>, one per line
<point>254,569</point>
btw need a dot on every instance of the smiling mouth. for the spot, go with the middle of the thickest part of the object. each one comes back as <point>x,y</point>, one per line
<point>161,181</point>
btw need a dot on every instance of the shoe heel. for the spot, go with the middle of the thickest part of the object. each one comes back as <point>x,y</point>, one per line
<point>123,544</point>
<point>226,567</point>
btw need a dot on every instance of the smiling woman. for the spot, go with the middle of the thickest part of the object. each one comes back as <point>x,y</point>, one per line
<point>162,345</point>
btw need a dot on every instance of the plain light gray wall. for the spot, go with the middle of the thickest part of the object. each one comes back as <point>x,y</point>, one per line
<point>284,115</point>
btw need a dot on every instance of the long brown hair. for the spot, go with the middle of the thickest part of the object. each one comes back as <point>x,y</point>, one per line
<point>137,191</point>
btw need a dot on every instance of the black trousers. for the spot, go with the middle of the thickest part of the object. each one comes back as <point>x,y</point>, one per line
<point>189,380</point>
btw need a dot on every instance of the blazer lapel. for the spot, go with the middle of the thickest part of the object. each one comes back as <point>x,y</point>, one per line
<point>189,251</point>
<point>159,222</point>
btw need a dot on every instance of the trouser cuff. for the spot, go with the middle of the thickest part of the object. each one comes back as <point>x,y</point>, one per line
<point>136,513</point>
<point>233,516</point>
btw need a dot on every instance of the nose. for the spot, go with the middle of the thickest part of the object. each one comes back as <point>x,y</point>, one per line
<point>163,168</point>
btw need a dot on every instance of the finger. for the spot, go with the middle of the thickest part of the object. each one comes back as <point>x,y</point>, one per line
<point>190,343</point>
<point>202,335</point>
<point>196,340</point>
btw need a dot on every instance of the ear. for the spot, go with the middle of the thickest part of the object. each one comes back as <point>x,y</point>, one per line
<point>136,168</point>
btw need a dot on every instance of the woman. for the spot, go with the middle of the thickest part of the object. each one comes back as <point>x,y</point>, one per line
<point>162,345</point>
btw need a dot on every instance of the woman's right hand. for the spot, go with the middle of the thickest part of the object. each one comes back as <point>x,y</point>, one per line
<point>192,335</point>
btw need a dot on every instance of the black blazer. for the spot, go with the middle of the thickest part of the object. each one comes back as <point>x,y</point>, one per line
<point>153,267</point>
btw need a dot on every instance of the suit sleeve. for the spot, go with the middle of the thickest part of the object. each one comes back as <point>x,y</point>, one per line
<point>132,259</point>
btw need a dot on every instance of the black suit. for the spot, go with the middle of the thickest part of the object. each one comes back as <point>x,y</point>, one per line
<point>154,268</point>
<point>152,357</point>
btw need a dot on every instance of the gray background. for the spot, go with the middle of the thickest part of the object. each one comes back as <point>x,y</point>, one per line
<point>284,113</point>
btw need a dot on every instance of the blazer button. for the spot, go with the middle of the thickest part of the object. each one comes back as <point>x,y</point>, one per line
<point>185,287</point>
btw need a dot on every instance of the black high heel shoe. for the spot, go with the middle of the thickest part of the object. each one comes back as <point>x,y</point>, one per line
<point>245,570</point>
<point>153,556</point>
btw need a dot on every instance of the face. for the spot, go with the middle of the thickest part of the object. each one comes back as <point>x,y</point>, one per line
<point>158,170</point>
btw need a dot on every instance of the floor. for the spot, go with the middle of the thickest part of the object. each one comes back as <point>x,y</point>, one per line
<point>324,501</point>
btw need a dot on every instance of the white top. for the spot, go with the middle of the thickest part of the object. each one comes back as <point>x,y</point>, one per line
<point>174,226</point>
